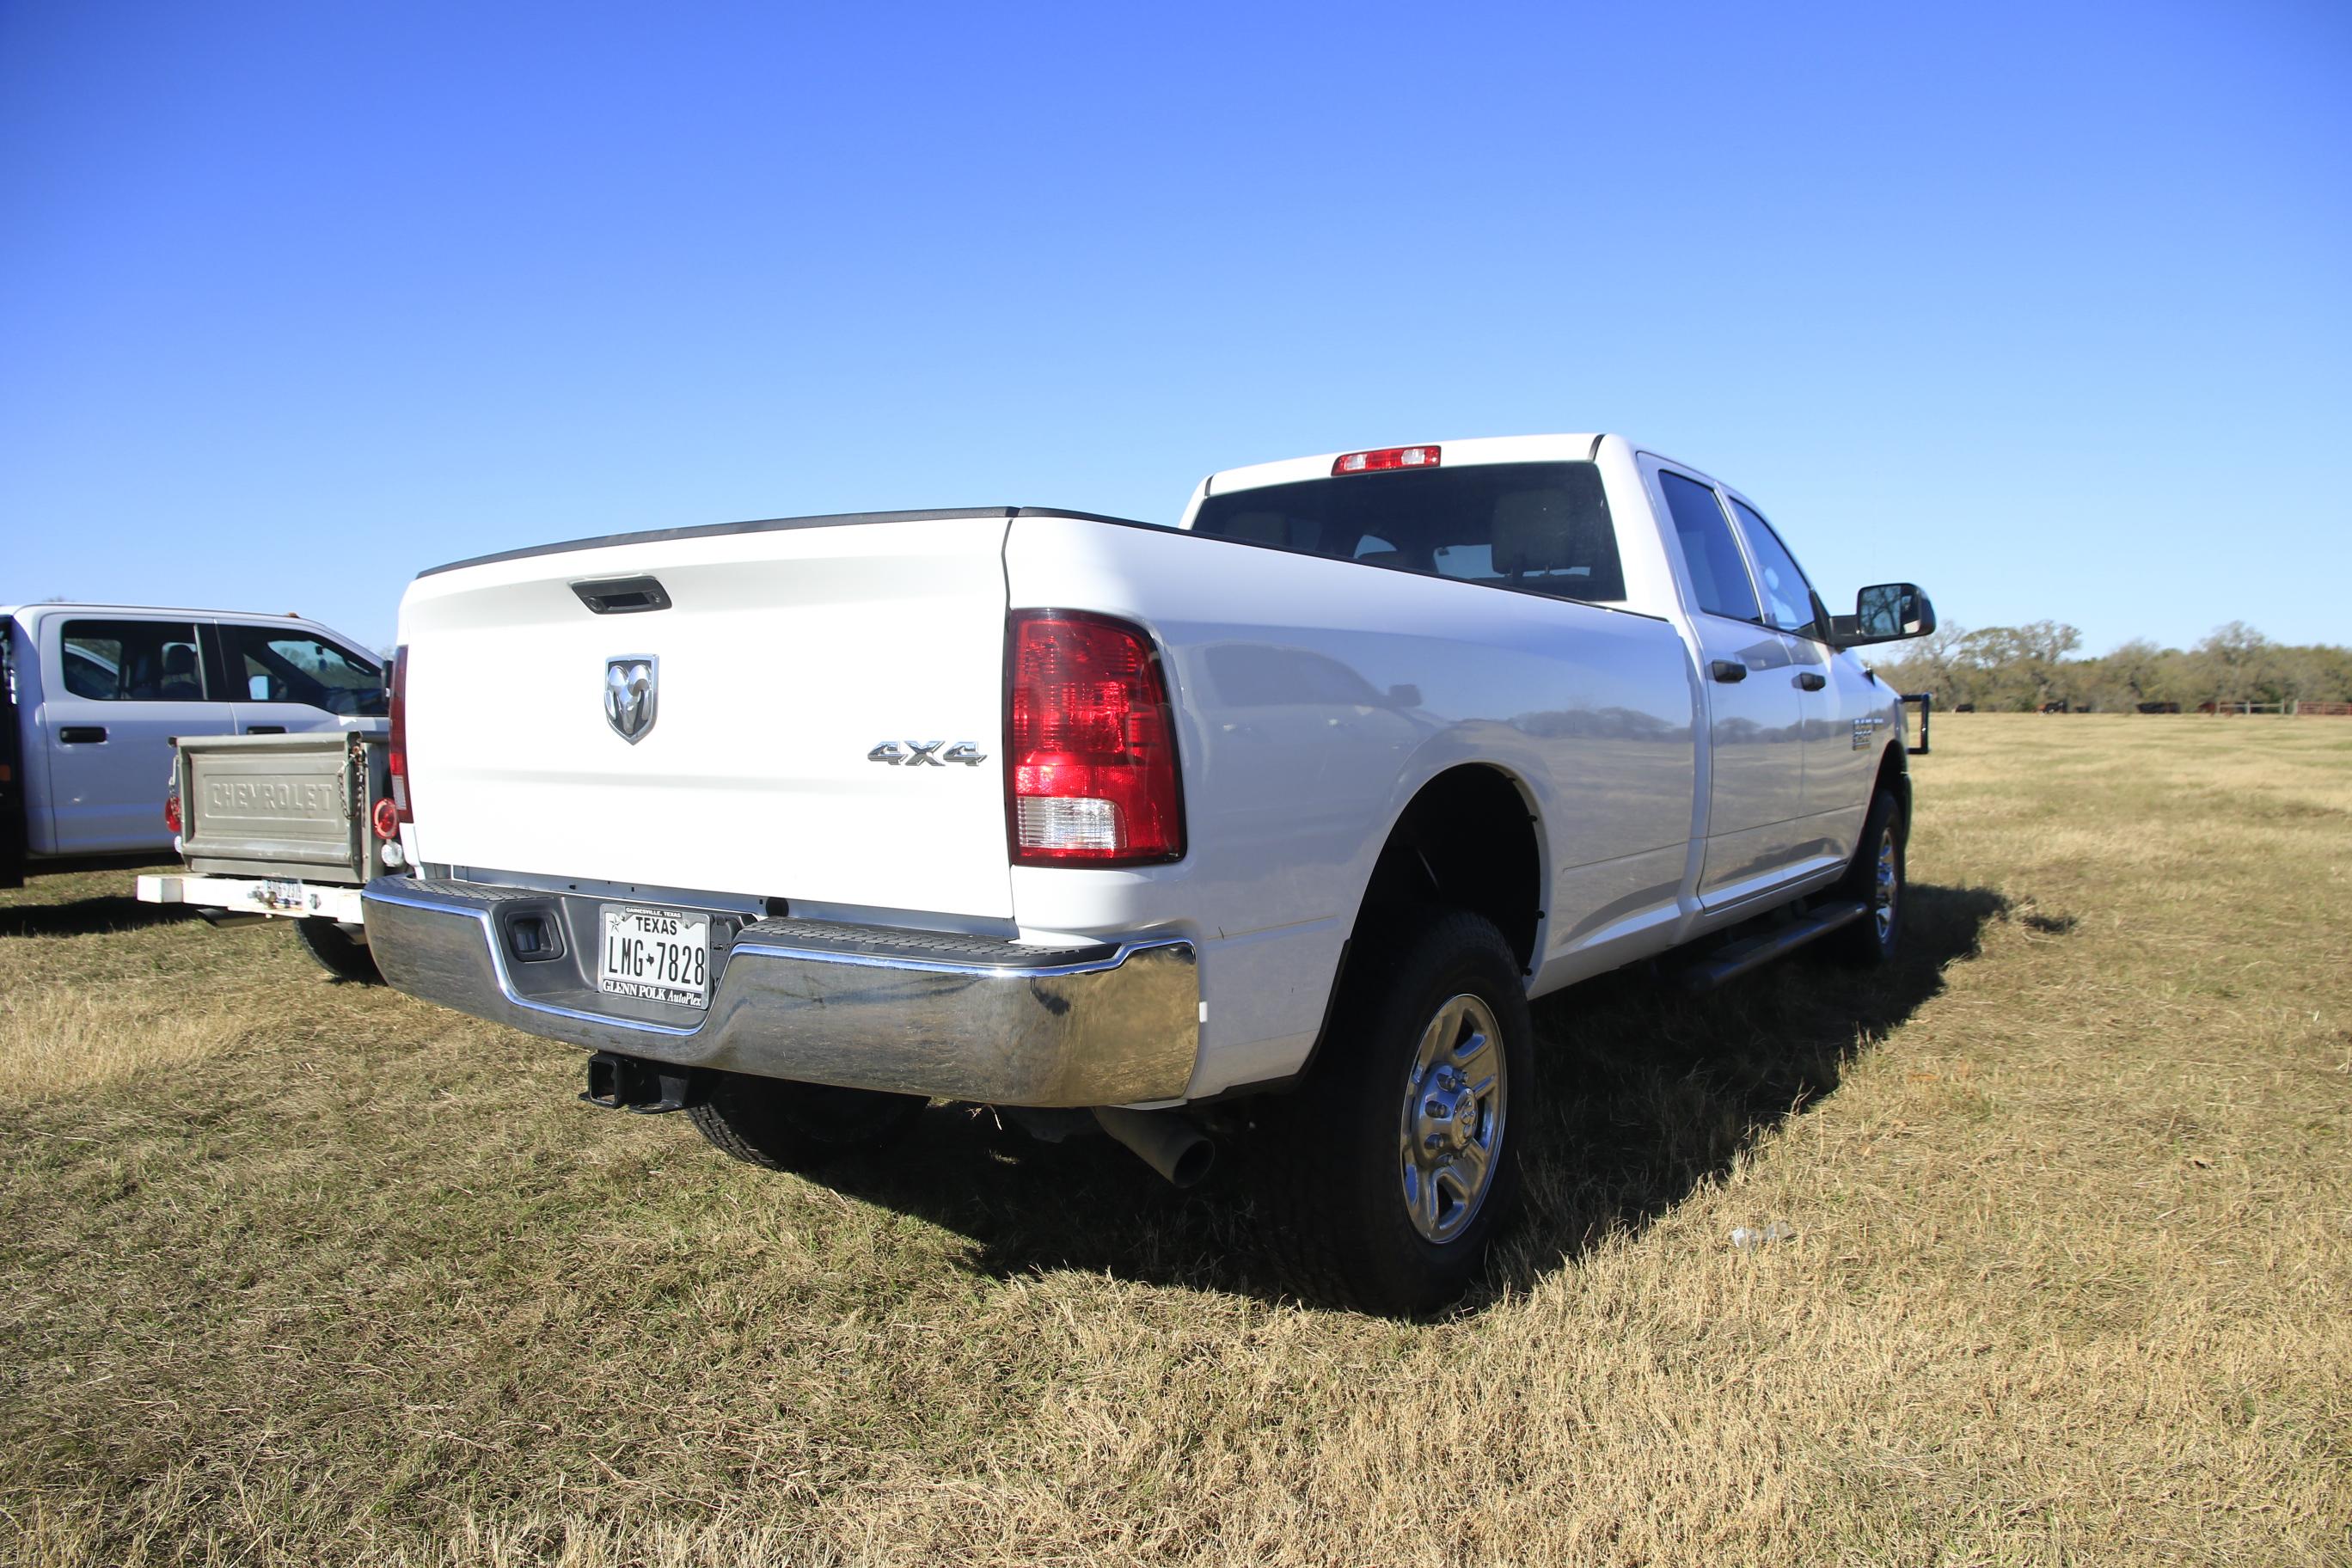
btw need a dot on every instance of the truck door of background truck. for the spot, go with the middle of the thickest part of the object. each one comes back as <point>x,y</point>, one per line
<point>1749,673</point>
<point>286,680</point>
<point>115,690</point>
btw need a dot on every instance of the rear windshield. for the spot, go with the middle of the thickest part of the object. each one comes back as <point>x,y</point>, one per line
<point>1542,528</point>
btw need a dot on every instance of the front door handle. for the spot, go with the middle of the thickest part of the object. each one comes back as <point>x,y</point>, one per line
<point>80,734</point>
<point>1728,669</point>
<point>1813,682</point>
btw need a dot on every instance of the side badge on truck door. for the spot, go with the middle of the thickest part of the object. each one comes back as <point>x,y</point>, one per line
<point>631,686</point>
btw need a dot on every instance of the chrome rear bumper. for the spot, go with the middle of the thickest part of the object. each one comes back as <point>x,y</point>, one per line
<point>860,1007</point>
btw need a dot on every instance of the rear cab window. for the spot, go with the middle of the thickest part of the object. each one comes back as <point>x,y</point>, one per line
<point>1535,527</point>
<point>133,661</point>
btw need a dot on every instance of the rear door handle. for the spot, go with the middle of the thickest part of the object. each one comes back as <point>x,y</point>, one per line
<point>80,734</point>
<point>1813,682</point>
<point>1728,669</point>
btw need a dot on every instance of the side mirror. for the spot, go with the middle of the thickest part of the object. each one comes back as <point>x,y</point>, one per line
<point>1884,612</point>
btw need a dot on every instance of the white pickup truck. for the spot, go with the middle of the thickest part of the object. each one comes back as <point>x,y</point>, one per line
<point>797,824</point>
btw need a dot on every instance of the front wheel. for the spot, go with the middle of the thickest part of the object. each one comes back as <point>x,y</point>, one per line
<point>1877,877</point>
<point>1402,1159</point>
<point>340,953</point>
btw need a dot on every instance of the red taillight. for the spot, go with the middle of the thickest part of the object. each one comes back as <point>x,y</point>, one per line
<point>171,809</point>
<point>1091,766</point>
<point>387,820</point>
<point>395,750</point>
<point>1386,457</point>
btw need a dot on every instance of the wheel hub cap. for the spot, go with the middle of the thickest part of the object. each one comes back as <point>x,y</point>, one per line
<point>1451,1129</point>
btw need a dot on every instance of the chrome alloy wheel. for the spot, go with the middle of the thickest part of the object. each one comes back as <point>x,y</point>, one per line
<point>1451,1132</point>
<point>1883,890</point>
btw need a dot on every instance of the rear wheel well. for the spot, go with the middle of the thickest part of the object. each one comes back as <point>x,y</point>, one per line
<point>1467,841</point>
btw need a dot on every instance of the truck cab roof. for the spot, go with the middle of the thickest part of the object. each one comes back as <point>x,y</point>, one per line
<point>29,614</point>
<point>82,608</point>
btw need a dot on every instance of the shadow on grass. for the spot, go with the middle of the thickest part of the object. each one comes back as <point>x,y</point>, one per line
<point>89,916</point>
<point>1648,1094</point>
<point>35,909</point>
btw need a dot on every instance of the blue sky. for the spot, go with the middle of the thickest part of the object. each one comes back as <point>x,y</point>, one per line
<point>2047,307</point>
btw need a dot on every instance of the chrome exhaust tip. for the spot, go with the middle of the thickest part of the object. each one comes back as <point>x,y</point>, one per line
<point>1169,1144</point>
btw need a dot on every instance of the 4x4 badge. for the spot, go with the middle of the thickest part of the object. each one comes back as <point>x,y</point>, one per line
<point>632,686</point>
<point>927,755</point>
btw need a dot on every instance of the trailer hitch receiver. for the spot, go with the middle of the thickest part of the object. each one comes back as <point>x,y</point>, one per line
<point>624,1083</point>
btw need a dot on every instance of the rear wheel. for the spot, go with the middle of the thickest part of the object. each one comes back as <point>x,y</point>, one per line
<point>783,1126</point>
<point>340,953</point>
<point>1402,1161</point>
<point>1877,877</point>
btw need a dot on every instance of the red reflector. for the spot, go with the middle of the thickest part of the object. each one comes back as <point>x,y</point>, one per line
<point>395,750</point>
<point>1091,767</point>
<point>1386,457</point>
<point>387,820</point>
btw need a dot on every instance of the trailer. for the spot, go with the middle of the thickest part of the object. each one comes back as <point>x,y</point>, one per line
<point>282,828</point>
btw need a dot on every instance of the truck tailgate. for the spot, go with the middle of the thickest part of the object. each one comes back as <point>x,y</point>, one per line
<point>785,657</point>
<point>271,804</point>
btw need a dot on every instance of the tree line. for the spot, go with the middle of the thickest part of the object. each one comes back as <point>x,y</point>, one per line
<point>2024,669</point>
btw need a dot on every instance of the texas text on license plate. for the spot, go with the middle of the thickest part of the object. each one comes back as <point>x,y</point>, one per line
<point>660,955</point>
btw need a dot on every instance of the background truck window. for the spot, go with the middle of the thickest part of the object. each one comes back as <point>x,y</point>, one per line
<point>273,666</point>
<point>1719,576</point>
<point>1787,597</point>
<point>133,661</point>
<point>1540,527</point>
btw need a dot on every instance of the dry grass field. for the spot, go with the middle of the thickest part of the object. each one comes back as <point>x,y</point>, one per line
<point>297,1272</point>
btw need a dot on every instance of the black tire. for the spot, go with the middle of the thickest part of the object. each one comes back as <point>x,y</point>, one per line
<point>1871,942</point>
<point>339,953</point>
<point>782,1126</point>
<point>1349,1149</point>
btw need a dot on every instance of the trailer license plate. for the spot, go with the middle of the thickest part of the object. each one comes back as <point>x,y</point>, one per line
<point>660,955</point>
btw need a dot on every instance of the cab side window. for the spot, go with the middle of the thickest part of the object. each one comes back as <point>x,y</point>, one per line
<point>133,661</point>
<point>273,666</point>
<point>1787,597</point>
<point>1717,573</point>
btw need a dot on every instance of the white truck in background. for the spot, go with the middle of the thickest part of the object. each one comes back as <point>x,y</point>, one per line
<point>97,693</point>
<point>1297,803</point>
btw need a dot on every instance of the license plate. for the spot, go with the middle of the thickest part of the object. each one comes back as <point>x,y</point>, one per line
<point>658,956</point>
<point>278,893</point>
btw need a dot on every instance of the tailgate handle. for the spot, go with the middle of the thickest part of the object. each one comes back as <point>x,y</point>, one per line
<point>623,596</point>
<point>81,734</point>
